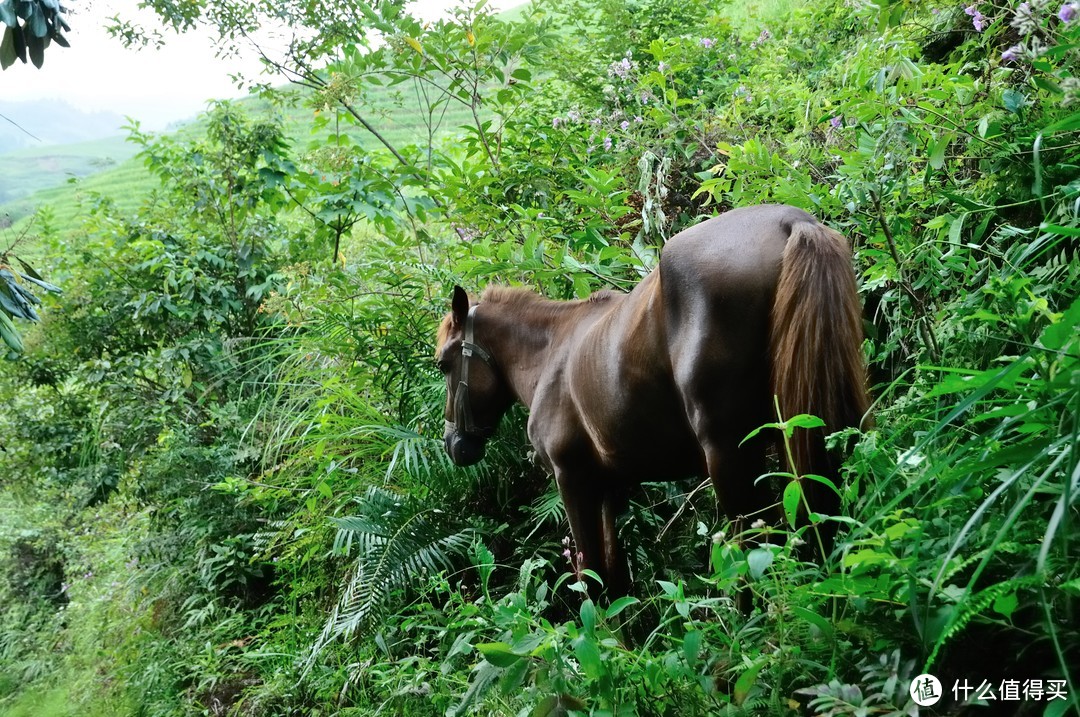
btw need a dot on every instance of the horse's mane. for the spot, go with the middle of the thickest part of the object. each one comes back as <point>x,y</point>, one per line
<point>523,297</point>
<point>525,302</point>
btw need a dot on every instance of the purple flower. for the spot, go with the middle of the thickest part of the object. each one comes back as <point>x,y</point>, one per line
<point>620,69</point>
<point>555,122</point>
<point>1067,13</point>
<point>1013,53</point>
<point>607,143</point>
<point>663,67</point>
<point>707,42</point>
<point>574,116</point>
<point>624,125</point>
<point>837,121</point>
<point>977,18</point>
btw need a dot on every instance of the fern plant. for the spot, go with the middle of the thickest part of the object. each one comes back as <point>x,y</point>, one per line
<point>394,539</point>
<point>883,690</point>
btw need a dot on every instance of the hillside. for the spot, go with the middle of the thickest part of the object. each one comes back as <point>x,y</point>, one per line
<point>38,177</point>
<point>43,123</point>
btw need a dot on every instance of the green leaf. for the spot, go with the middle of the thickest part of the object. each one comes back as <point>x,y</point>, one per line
<point>1013,100</point>
<point>1070,123</point>
<point>1006,604</point>
<point>8,54</point>
<point>746,681</point>
<point>691,647</point>
<point>588,617</point>
<point>822,625</point>
<point>588,655</point>
<point>759,560</point>
<point>8,302</point>
<point>792,498</point>
<point>36,48</point>
<point>803,420</point>
<point>759,429</point>
<point>558,706</point>
<point>498,653</point>
<point>619,605</point>
<point>7,13</point>
<point>937,149</point>
<point>1060,230</point>
<point>9,333</point>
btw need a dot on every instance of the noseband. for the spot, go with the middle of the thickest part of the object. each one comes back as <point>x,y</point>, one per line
<point>463,418</point>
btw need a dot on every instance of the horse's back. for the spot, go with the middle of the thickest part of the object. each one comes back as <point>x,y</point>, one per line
<point>739,251</point>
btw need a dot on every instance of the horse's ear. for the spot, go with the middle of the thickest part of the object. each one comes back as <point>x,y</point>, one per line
<point>460,306</point>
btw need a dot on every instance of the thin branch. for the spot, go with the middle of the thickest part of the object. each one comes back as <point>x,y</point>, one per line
<point>21,128</point>
<point>920,308</point>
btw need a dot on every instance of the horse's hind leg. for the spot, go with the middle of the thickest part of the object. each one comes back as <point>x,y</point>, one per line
<point>734,470</point>
<point>721,413</point>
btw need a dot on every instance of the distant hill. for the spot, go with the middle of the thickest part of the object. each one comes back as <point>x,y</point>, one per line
<point>52,122</point>
<point>29,170</point>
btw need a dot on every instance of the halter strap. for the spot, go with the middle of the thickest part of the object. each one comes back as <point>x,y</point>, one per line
<point>463,418</point>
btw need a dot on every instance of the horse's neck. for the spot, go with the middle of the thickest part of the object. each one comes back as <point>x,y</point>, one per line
<point>524,343</point>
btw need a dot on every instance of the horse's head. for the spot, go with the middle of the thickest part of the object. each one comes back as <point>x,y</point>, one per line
<point>477,396</point>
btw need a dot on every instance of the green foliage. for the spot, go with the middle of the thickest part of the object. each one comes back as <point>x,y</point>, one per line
<point>30,26</point>
<point>395,541</point>
<point>17,299</point>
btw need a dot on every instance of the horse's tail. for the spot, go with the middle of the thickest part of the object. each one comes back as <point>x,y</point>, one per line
<point>816,345</point>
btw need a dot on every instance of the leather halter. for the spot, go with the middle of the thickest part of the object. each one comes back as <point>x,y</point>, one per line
<point>463,418</point>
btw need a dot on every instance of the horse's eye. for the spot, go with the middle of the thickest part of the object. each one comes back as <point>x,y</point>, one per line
<point>443,366</point>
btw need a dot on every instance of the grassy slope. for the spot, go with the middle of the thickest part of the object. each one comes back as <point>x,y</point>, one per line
<point>26,171</point>
<point>51,171</point>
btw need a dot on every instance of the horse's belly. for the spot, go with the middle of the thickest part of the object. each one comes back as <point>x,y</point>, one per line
<point>651,449</point>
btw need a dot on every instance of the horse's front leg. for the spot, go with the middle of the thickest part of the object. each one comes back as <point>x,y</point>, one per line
<point>591,510</point>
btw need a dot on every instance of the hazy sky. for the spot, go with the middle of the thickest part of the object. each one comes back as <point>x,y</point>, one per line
<point>154,86</point>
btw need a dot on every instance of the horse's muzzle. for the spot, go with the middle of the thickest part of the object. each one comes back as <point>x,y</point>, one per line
<point>464,449</point>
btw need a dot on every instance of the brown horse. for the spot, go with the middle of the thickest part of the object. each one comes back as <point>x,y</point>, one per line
<point>665,382</point>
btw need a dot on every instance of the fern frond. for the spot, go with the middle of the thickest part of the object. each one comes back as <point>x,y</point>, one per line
<point>394,539</point>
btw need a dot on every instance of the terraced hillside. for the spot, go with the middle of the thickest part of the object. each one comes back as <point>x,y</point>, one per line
<point>63,178</point>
